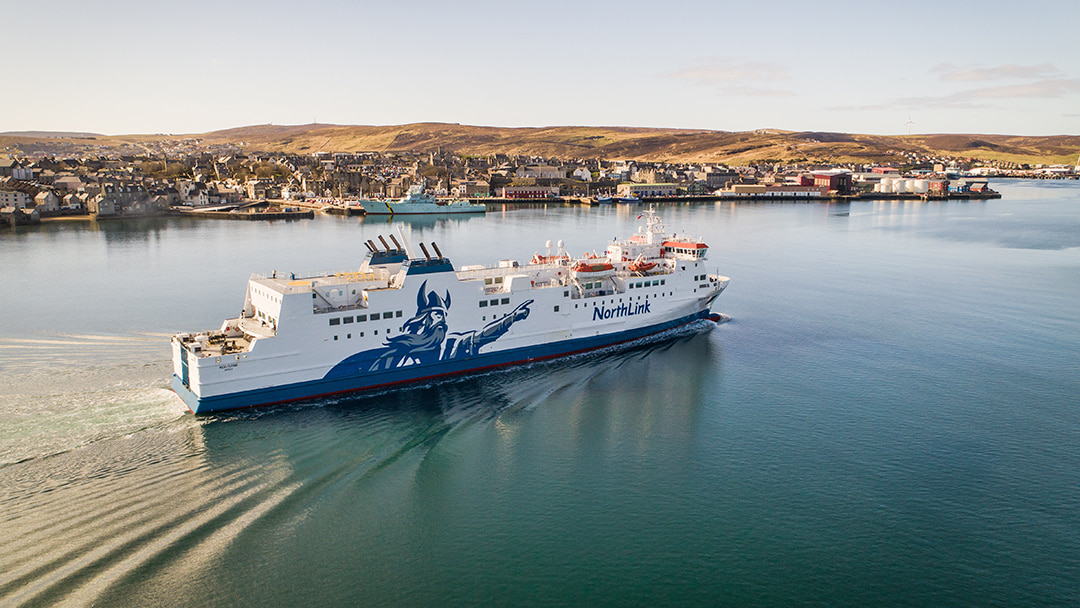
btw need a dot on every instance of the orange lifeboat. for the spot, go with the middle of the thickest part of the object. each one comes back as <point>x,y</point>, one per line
<point>640,265</point>
<point>587,270</point>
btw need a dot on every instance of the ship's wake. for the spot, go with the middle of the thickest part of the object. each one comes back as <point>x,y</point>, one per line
<point>139,514</point>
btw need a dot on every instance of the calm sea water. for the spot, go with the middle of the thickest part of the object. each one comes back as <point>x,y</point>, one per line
<point>891,417</point>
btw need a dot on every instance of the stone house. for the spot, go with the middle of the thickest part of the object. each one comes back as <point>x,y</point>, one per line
<point>541,171</point>
<point>46,201</point>
<point>68,182</point>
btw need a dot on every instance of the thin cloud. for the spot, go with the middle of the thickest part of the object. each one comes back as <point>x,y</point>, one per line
<point>1010,71</point>
<point>982,97</point>
<point>718,72</point>
<point>736,79</point>
<point>755,92</point>
<point>1043,89</point>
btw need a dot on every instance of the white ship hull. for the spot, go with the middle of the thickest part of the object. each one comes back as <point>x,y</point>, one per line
<point>410,208</point>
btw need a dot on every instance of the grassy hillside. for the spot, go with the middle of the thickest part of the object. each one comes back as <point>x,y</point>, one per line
<point>679,145</point>
<point>675,145</point>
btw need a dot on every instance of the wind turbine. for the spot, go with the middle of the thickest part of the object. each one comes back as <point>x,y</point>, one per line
<point>909,123</point>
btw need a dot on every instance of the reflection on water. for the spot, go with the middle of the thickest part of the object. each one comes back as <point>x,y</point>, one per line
<point>449,220</point>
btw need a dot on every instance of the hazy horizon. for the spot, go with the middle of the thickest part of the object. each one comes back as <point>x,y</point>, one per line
<point>143,68</point>
<point>47,133</point>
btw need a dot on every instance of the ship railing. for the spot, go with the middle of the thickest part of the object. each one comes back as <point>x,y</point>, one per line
<point>331,277</point>
<point>718,281</point>
<point>257,328</point>
<point>324,307</point>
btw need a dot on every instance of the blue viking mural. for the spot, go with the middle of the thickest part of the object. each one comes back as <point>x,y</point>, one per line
<point>425,338</point>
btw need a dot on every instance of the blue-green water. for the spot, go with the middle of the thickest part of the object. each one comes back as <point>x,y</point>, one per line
<point>892,417</point>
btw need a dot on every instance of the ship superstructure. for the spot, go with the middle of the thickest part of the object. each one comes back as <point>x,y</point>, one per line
<point>405,315</point>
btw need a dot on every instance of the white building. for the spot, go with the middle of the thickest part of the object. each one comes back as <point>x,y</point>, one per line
<point>23,173</point>
<point>14,198</point>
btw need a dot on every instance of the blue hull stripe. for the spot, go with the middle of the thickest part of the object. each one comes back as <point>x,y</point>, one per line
<point>414,373</point>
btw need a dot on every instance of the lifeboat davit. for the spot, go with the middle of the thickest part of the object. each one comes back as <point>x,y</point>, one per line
<point>641,265</point>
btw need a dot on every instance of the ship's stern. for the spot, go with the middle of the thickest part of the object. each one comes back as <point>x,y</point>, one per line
<point>183,362</point>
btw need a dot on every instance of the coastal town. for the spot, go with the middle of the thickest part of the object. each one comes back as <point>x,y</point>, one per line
<point>188,176</point>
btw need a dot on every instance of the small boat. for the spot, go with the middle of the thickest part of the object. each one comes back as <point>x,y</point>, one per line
<point>641,266</point>
<point>593,270</point>
<point>418,201</point>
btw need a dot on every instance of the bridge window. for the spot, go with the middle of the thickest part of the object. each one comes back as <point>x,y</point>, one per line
<point>335,321</point>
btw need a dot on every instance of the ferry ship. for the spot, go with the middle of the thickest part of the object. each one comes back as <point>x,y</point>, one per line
<point>405,316</point>
<point>419,202</point>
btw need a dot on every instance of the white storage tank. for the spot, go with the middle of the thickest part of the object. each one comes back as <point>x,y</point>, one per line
<point>922,186</point>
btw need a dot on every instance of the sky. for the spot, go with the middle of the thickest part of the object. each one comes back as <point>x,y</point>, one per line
<point>123,67</point>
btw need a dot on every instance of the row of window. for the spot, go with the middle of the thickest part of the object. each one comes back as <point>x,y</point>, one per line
<point>374,333</point>
<point>640,284</point>
<point>697,253</point>
<point>362,318</point>
<point>494,302</point>
<point>612,301</point>
<point>272,296</point>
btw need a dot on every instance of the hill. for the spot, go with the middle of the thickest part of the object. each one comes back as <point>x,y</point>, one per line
<point>647,144</point>
<point>674,145</point>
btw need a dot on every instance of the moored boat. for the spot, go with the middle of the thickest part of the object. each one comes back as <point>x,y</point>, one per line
<point>418,202</point>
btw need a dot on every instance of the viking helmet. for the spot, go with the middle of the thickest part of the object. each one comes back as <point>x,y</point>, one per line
<point>430,301</point>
